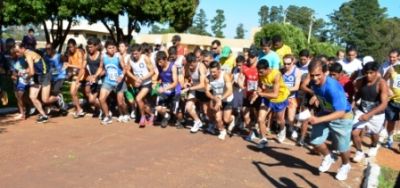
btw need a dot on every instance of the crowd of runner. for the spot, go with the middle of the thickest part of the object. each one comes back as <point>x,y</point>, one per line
<point>258,92</point>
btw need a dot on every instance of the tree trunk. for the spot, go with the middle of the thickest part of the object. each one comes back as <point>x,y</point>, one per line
<point>130,29</point>
<point>109,30</point>
<point>64,35</point>
<point>46,32</point>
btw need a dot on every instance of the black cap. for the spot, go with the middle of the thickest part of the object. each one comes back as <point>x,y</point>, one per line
<point>176,38</point>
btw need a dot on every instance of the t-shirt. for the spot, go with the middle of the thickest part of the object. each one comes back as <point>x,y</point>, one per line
<point>385,67</point>
<point>273,59</point>
<point>251,79</point>
<point>331,97</point>
<point>56,67</point>
<point>347,85</point>
<point>350,67</point>
<point>227,64</point>
<point>284,50</point>
<point>268,81</point>
<point>395,86</point>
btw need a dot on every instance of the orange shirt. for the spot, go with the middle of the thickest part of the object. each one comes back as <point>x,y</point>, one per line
<point>76,59</point>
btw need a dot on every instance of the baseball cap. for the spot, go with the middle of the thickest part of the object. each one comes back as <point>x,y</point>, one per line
<point>367,59</point>
<point>226,51</point>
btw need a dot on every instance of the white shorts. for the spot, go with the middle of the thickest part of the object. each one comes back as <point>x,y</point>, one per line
<point>375,124</point>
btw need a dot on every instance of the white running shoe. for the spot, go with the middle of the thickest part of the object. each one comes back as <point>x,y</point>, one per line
<point>107,120</point>
<point>120,118</point>
<point>359,156</point>
<point>222,134</point>
<point>133,115</point>
<point>294,135</point>
<point>126,119</point>
<point>282,135</point>
<point>373,151</point>
<point>262,143</point>
<point>343,172</point>
<point>196,126</point>
<point>326,163</point>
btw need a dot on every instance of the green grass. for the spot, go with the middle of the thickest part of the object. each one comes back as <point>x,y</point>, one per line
<point>387,178</point>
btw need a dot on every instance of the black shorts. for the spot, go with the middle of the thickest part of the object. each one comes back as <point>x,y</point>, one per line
<point>392,111</point>
<point>56,87</point>
<point>172,102</point>
<point>238,99</point>
<point>201,96</point>
<point>227,105</point>
<point>256,104</point>
<point>42,79</point>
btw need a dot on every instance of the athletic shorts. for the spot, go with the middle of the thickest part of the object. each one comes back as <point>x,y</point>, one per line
<point>131,93</point>
<point>339,129</point>
<point>227,105</point>
<point>375,124</point>
<point>56,87</point>
<point>275,107</point>
<point>42,79</point>
<point>21,87</point>
<point>171,102</point>
<point>256,104</point>
<point>238,99</point>
<point>392,111</point>
<point>121,87</point>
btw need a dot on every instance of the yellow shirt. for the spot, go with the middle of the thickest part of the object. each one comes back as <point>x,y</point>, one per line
<point>395,86</point>
<point>268,81</point>
<point>227,64</point>
<point>285,49</point>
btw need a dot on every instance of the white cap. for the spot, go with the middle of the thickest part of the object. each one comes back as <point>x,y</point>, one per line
<point>367,59</point>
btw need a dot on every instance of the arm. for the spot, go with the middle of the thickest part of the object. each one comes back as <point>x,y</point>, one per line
<point>174,80</point>
<point>100,69</point>
<point>296,86</point>
<point>275,92</point>
<point>31,70</point>
<point>208,93</point>
<point>82,66</point>
<point>150,68</point>
<point>228,85</point>
<point>330,117</point>
<point>388,73</point>
<point>304,85</point>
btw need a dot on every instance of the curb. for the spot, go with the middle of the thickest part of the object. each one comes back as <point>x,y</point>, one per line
<point>371,174</point>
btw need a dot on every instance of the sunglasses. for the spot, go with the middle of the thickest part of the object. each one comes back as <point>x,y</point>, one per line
<point>287,63</point>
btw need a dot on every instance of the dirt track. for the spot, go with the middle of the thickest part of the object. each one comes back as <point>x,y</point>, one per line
<point>82,153</point>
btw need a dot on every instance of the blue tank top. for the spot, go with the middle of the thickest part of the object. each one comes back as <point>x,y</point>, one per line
<point>290,81</point>
<point>167,78</point>
<point>113,69</point>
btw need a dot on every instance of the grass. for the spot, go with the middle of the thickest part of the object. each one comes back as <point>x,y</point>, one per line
<point>387,178</point>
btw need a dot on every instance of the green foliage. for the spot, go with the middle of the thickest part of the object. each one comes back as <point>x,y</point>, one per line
<point>155,29</point>
<point>218,24</point>
<point>387,178</point>
<point>200,24</point>
<point>302,16</point>
<point>264,15</point>
<point>276,14</point>
<point>389,37</point>
<point>324,48</point>
<point>240,31</point>
<point>357,23</point>
<point>291,35</point>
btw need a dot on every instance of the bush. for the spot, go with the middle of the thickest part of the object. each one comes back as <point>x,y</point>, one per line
<point>325,48</point>
<point>291,35</point>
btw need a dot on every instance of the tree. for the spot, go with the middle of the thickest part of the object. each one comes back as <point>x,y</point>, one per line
<point>355,23</point>
<point>291,35</point>
<point>218,24</point>
<point>155,29</point>
<point>61,14</point>
<point>264,15</point>
<point>178,14</point>
<point>200,24</point>
<point>389,37</point>
<point>276,14</point>
<point>240,31</point>
<point>302,17</point>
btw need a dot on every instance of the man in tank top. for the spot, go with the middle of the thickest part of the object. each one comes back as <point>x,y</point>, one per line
<point>195,87</point>
<point>167,101</point>
<point>221,98</point>
<point>373,93</point>
<point>141,71</point>
<point>292,77</point>
<point>113,81</point>
<point>95,72</point>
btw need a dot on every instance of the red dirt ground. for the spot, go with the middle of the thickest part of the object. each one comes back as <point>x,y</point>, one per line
<point>82,153</point>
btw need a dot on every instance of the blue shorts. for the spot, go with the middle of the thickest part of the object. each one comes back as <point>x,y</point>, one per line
<point>339,129</point>
<point>392,111</point>
<point>19,86</point>
<point>275,107</point>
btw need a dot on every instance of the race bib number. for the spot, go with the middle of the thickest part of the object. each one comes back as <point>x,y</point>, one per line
<point>252,85</point>
<point>112,74</point>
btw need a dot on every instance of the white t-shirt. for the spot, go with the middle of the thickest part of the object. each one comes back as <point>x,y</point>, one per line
<point>350,67</point>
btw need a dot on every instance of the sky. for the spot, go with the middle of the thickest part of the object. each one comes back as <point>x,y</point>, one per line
<point>246,11</point>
